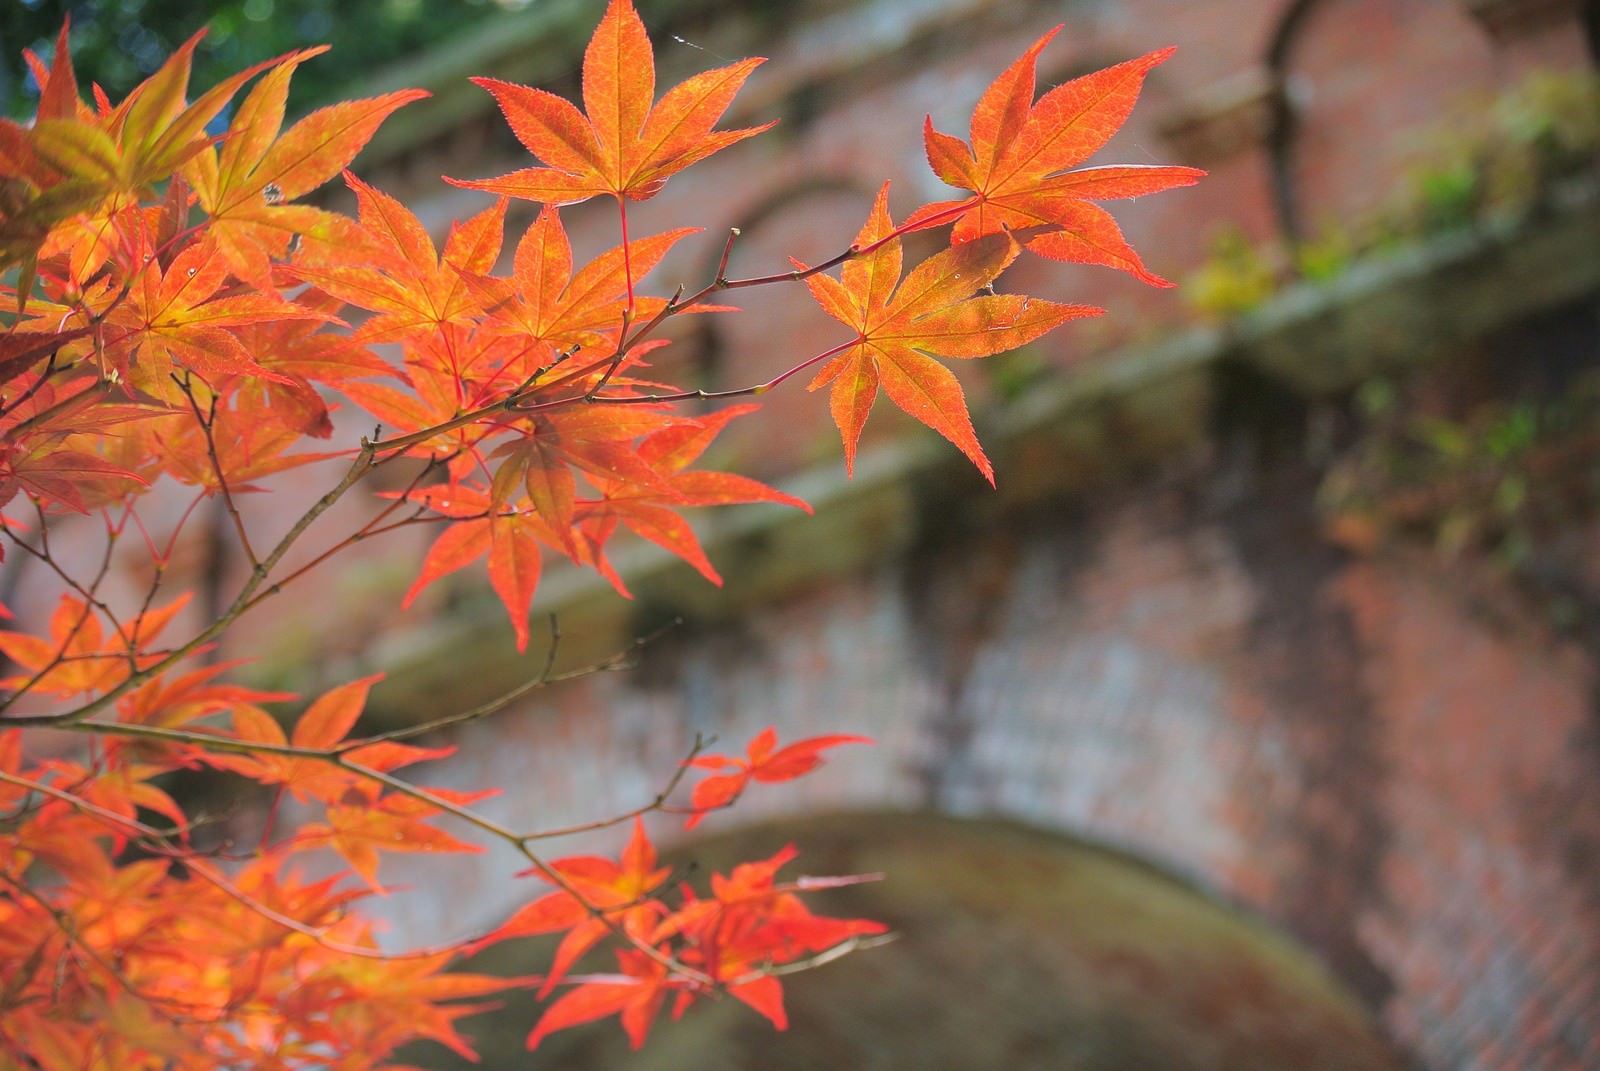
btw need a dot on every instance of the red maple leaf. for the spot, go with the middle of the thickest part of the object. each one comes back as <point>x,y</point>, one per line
<point>611,894</point>
<point>636,994</point>
<point>1020,152</point>
<point>763,761</point>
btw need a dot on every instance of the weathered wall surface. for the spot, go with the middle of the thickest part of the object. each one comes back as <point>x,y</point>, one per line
<point>1148,636</point>
<point>1395,767</point>
<point>1388,754</point>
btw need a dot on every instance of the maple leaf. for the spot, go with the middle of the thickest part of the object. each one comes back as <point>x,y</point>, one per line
<point>177,704</point>
<point>402,278</point>
<point>616,890</point>
<point>652,515</point>
<point>510,535</point>
<point>175,318</point>
<point>79,657</point>
<point>385,1002</point>
<point>245,188</point>
<point>544,300</point>
<point>596,440</point>
<point>53,442</point>
<point>22,350</point>
<point>1020,149</point>
<point>324,724</point>
<point>619,144</point>
<point>62,477</point>
<point>898,324</point>
<point>751,923</point>
<point>358,827</point>
<point>299,354</point>
<point>72,159</point>
<point>636,994</point>
<point>763,761</point>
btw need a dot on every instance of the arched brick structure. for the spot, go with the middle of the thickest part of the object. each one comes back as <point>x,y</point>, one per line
<point>1015,949</point>
<point>1394,766</point>
<point>1146,638</point>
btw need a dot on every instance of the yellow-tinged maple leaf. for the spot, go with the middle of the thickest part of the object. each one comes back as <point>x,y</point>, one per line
<point>80,658</point>
<point>620,144</point>
<point>245,187</point>
<point>179,317</point>
<point>902,325</point>
<point>404,280</point>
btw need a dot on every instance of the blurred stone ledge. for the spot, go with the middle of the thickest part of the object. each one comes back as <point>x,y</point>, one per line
<point>1112,417</point>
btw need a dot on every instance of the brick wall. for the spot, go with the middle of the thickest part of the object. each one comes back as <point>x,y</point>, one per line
<point>1390,756</point>
<point>1394,765</point>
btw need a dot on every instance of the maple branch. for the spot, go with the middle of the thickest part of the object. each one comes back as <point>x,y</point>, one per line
<point>623,345</point>
<point>69,929</point>
<point>366,531</point>
<point>656,804</point>
<point>727,253</point>
<point>154,840</point>
<point>858,943</point>
<point>499,703</point>
<point>243,601</point>
<point>627,263</point>
<point>708,395</point>
<point>206,422</point>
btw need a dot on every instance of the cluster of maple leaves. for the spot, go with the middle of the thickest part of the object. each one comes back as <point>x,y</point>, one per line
<point>178,317</point>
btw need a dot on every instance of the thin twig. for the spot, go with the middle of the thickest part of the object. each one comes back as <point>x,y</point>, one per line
<point>207,423</point>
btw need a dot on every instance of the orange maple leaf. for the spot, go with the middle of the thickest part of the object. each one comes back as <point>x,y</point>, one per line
<point>80,657</point>
<point>510,534</point>
<point>620,144</point>
<point>619,892</point>
<point>899,324</point>
<point>1020,152</point>
<point>401,277</point>
<point>652,514</point>
<point>324,725</point>
<point>763,761</point>
<point>544,300</point>
<point>360,826</point>
<point>179,317</point>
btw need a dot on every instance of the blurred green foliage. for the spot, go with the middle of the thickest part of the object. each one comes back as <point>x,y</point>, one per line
<point>1505,155</point>
<point>120,42</point>
<point>1498,480</point>
<point>1236,278</point>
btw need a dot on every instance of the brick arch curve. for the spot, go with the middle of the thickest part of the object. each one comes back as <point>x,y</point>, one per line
<point>1018,948</point>
<point>1333,62</point>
